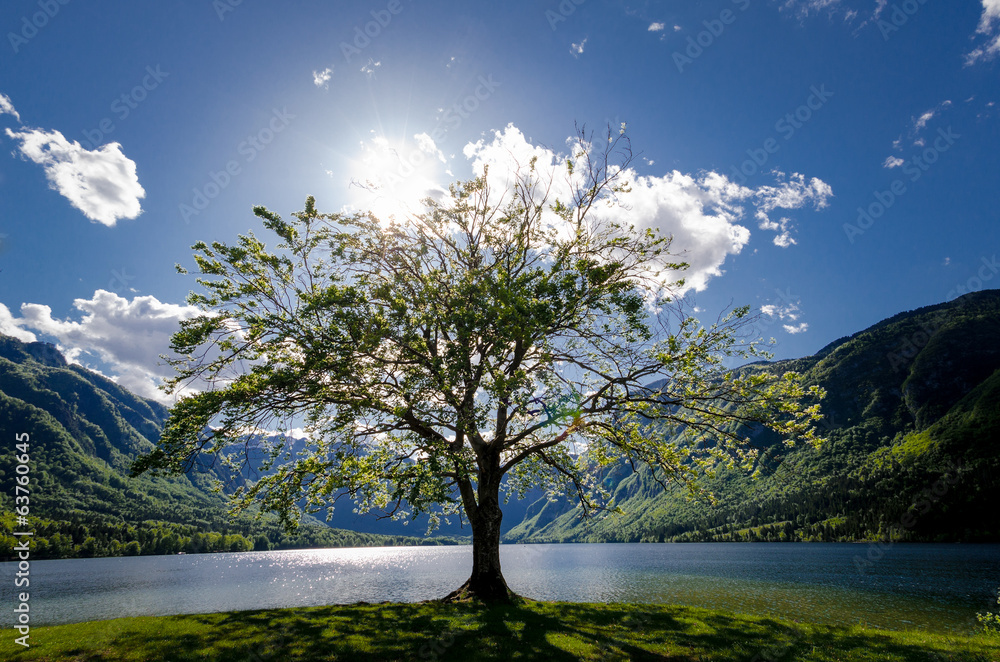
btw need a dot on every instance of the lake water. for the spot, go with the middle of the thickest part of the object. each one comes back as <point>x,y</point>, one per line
<point>936,587</point>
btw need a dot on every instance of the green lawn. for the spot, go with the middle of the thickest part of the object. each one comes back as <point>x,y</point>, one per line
<point>464,632</point>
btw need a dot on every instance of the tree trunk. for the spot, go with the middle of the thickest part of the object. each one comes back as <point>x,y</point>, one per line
<point>487,582</point>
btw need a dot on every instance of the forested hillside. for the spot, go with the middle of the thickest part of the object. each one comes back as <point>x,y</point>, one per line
<point>84,432</point>
<point>912,451</point>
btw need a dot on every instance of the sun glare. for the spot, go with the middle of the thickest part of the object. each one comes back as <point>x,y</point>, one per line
<point>393,178</point>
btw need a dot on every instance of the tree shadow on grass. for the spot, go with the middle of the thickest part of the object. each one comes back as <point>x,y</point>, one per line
<point>376,632</point>
<point>774,640</point>
<point>562,632</point>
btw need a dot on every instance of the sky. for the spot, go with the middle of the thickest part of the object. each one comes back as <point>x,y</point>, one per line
<point>828,162</point>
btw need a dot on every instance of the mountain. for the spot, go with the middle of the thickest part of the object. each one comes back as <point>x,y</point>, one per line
<point>83,433</point>
<point>912,451</point>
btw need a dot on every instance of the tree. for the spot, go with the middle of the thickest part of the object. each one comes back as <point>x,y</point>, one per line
<point>502,338</point>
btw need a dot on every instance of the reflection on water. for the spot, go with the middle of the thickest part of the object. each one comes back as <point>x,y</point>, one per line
<point>938,587</point>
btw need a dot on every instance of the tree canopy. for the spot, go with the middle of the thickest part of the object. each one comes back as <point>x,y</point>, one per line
<point>514,333</point>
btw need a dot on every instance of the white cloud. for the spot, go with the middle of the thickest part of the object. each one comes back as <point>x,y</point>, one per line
<point>893,162</point>
<point>393,177</point>
<point>782,227</point>
<point>991,12</point>
<point>370,67</point>
<point>656,27</point>
<point>577,49</point>
<point>786,308</point>
<point>989,26</point>
<point>805,7</point>
<point>677,28</point>
<point>784,239</point>
<point>11,327</point>
<point>920,123</point>
<point>702,212</point>
<point>794,193</point>
<point>322,78</point>
<point>426,144</point>
<point>127,336</point>
<point>917,125</point>
<point>7,108</point>
<point>789,310</point>
<point>102,183</point>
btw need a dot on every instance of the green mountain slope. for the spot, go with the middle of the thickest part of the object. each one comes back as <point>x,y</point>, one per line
<point>84,431</point>
<point>912,453</point>
<point>913,449</point>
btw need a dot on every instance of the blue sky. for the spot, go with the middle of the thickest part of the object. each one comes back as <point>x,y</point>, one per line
<point>134,130</point>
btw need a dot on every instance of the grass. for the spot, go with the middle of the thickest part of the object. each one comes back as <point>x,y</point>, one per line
<point>549,631</point>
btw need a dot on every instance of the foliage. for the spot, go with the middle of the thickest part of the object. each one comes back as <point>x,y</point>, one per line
<point>913,407</point>
<point>414,352</point>
<point>990,620</point>
<point>85,430</point>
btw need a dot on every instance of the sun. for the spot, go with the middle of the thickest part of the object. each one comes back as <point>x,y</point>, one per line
<point>392,178</point>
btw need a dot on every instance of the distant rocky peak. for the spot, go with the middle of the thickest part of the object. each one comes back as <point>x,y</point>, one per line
<point>46,354</point>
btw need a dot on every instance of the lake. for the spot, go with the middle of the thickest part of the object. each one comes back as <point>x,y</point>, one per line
<point>935,587</point>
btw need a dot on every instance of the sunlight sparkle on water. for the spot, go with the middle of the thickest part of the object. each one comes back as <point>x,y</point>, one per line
<point>935,587</point>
